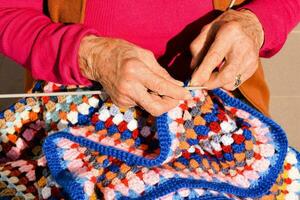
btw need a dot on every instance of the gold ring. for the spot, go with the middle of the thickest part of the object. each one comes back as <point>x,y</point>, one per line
<point>237,81</point>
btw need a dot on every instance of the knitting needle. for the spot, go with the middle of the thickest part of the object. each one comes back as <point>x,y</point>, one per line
<point>195,88</point>
<point>231,4</point>
<point>24,95</point>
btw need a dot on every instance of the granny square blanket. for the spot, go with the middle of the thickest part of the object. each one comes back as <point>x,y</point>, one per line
<point>213,146</point>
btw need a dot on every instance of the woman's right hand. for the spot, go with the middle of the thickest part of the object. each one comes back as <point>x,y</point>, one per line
<point>130,74</point>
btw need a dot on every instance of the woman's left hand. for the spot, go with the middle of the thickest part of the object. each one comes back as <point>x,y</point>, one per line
<point>236,37</point>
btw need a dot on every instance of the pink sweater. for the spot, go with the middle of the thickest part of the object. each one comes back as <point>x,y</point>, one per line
<point>49,50</point>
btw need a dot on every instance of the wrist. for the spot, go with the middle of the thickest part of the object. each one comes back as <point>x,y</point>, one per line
<point>85,55</point>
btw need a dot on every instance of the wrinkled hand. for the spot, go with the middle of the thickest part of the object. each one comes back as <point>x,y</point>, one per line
<point>129,74</point>
<point>235,36</point>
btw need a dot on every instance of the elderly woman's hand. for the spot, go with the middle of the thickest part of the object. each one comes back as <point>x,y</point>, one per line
<point>236,37</point>
<point>129,74</point>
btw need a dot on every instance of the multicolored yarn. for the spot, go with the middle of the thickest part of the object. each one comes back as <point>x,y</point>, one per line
<point>84,147</point>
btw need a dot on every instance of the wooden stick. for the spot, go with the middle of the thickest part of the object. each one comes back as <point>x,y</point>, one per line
<point>232,2</point>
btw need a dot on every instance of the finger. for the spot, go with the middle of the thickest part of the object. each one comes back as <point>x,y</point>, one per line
<point>154,104</point>
<point>232,86</point>
<point>160,71</point>
<point>246,72</point>
<point>156,68</point>
<point>213,58</point>
<point>226,76</point>
<point>123,102</point>
<point>198,44</point>
<point>166,102</point>
<point>163,87</point>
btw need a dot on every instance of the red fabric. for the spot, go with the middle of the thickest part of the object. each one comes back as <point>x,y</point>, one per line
<point>278,18</point>
<point>49,50</point>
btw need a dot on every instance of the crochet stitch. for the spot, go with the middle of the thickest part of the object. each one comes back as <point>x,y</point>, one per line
<point>84,147</point>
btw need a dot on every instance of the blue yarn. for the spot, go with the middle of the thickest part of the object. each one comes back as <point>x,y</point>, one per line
<point>92,111</point>
<point>201,130</point>
<point>83,119</point>
<point>114,168</point>
<point>137,142</point>
<point>193,141</point>
<point>23,101</point>
<point>196,157</point>
<point>216,107</point>
<point>210,117</point>
<point>247,134</point>
<point>238,148</point>
<point>99,126</point>
<point>126,135</point>
<point>212,197</point>
<point>183,161</point>
<point>53,98</point>
<point>12,108</point>
<point>37,86</point>
<point>101,178</point>
<point>228,156</point>
<point>246,124</point>
<point>105,163</point>
<point>112,130</point>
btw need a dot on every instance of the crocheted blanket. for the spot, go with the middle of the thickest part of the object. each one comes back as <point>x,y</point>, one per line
<point>84,147</point>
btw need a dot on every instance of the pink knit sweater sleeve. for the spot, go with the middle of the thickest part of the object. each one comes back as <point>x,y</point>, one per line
<point>278,18</point>
<point>49,50</point>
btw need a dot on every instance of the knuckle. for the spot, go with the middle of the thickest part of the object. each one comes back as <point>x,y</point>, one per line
<point>214,56</point>
<point>233,27</point>
<point>193,47</point>
<point>248,44</point>
<point>158,86</point>
<point>130,66</point>
<point>149,53</point>
<point>205,28</point>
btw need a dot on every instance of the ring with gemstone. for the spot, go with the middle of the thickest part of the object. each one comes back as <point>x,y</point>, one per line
<point>238,81</point>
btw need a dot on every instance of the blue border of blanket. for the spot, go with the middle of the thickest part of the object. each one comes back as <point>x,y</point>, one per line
<point>74,189</point>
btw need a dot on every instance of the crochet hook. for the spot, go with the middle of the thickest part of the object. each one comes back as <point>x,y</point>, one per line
<point>24,95</point>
